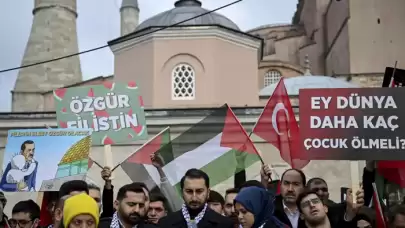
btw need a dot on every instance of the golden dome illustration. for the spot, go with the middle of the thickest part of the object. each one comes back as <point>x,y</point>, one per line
<point>79,151</point>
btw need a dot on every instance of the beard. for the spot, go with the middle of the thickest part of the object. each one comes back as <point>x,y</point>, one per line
<point>234,218</point>
<point>132,218</point>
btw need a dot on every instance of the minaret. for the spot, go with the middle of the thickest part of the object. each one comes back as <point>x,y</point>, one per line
<point>53,35</point>
<point>129,16</point>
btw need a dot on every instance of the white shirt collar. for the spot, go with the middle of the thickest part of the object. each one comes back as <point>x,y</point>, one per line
<point>286,209</point>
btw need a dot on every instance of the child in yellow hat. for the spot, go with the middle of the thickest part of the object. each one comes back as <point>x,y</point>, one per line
<point>80,209</point>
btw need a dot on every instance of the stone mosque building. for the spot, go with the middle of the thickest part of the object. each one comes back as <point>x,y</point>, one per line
<point>209,61</point>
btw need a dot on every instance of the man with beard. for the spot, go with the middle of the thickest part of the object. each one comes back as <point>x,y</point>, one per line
<point>229,209</point>
<point>314,212</point>
<point>131,207</point>
<point>57,215</point>
<point>195,212</point>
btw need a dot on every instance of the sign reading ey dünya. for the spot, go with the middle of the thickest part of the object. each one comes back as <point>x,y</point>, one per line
<point>113,110</point>
<point>352,124</point>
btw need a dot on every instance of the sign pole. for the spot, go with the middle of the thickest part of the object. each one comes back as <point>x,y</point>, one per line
<point>108,159</point>
<point>355,177</point>
<point>40,198</point>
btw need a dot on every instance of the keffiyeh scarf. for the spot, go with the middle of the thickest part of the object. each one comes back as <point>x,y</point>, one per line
<point>186,216</point>
<point>116,223</point>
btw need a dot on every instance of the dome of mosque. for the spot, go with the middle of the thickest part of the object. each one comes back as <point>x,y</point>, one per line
<point>79,151</point>
<point>294,84</point>
<point>183,10</point>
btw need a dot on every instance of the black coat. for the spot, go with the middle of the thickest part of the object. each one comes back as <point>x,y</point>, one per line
<point>211,219</point>
<point>106,222</point>
<point>335,215</point>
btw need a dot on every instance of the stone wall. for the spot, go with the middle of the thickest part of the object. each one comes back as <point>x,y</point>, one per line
<point>364,80</point>
<point>53,35</point>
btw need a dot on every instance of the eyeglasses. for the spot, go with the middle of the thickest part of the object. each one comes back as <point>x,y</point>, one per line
<point>20,223</point>
<point>320,189</point>
<point>308,203</point>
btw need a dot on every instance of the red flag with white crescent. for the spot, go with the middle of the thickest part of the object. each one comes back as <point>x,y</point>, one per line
<point>278,126</point>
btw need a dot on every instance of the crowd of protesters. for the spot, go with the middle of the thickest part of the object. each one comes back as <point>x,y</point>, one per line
<point>299,203</point>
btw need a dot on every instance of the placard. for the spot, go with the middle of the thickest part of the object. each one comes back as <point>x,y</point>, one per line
<point>114,111</point>
<point>352,123</point>
<point>43,159</point>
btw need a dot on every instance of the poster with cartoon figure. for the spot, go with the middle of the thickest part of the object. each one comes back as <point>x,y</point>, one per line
<point>35,156</point>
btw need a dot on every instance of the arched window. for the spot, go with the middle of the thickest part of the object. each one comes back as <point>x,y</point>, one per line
<point>183,82</point>
<point>271,77</point>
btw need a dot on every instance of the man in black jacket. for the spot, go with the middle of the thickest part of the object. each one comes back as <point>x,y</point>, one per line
<point>130,208</point>
<point>315,213</point>
<point>195,212</point>
<point>292,185</point>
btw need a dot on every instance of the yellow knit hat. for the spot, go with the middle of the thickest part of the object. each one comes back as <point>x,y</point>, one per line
<point>77,205</point>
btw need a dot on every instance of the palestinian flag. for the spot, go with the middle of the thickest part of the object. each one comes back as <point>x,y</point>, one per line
<point>218,145</point>
<point>274,187</point>
<point>139,166</point>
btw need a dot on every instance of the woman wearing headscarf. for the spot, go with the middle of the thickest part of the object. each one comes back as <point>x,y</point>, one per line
<point>255,207</point>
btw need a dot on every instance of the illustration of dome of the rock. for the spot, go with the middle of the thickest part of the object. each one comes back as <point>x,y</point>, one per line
<point>75,160</point>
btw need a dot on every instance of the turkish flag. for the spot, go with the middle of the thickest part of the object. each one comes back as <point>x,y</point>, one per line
<point>278,126</point>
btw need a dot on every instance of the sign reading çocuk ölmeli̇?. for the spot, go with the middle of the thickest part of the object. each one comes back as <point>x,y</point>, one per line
<point>352,123</point>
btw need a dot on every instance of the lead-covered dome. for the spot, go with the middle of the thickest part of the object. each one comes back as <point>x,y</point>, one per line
<point>183,10</point>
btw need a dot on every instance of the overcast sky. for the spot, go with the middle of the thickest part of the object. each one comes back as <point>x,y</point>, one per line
<point>99,22</point>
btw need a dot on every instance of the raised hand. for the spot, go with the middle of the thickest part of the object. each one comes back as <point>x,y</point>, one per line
<point>156,161</point>
<point>353,207</point>
<point>265,172</point>
<point>106,173</point>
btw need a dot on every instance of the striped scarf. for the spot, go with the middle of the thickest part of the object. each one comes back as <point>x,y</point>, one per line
<point>186,216</point>
<point>116,223</point>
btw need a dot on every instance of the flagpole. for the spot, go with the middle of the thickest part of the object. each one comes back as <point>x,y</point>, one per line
<point>244,132</point>
<point>250,134</point>
<point>143,145</point>
<point>261,114</point>
<point>392,81</point>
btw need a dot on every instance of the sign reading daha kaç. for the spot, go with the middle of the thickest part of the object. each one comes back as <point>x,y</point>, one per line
<point>113,110</point>
<point>352,124</point>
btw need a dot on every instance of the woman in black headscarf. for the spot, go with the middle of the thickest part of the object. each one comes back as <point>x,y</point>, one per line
<point>255,207</point>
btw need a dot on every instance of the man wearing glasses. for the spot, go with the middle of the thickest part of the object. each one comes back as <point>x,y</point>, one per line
<point>315,213</point>
<point>25,214</point>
